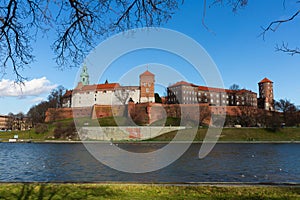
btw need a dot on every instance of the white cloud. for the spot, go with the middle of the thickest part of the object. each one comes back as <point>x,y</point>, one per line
<point>37,100</point>
<point>34,87</point>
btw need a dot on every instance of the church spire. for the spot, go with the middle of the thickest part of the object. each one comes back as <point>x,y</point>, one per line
<point>84,76</point>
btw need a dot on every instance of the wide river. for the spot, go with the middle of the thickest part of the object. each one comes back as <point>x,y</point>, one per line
<point>255,163</point>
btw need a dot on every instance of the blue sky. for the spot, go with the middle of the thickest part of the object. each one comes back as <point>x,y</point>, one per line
<point>240,55</point>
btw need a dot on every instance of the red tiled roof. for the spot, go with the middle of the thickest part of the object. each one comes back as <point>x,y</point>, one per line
<point>266,80</point>
<point>183,83</point>
<point>147,73</point>
<point>211,89</point>
<point>107,86</point>
<point>68,93</point>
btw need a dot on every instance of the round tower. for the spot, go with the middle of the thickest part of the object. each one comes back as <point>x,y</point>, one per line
<point>266,96</point>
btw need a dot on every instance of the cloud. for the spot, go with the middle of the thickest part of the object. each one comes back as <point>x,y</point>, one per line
<point>37,100</point>
<point>34,87</point>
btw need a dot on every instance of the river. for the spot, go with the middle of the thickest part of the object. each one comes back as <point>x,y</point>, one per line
<point>254,163</point>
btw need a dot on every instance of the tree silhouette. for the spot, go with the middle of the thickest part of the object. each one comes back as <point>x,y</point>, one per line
<point>78,24</point>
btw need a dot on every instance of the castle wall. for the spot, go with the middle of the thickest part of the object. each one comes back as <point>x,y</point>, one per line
<point>54,114</point>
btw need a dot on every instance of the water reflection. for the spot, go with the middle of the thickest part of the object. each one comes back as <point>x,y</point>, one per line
<point>227,162</point>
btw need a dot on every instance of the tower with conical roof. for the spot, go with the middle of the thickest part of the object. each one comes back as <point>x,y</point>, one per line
<point>147,87</point>
<point>266,96</point>
<point>84,76</point>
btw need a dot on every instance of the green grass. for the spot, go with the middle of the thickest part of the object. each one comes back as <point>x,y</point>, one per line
<point>239,134</point>
<point>135,191</point>
<point>228,134</point>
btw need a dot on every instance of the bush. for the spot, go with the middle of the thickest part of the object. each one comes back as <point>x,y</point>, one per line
<point>65,131</point>
<point>41,128</point>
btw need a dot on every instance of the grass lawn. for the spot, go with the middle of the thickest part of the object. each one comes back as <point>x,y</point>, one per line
<point>240,134</point>
<point>228,134</point>
<point>136,191</point>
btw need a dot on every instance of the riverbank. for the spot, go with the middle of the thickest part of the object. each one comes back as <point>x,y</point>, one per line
<point>143,191</point>
<point>229,135</point>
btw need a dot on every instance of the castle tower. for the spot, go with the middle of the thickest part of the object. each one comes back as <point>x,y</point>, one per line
<point>147,87</point>
<point>266,96</point>
<point>84,76</point>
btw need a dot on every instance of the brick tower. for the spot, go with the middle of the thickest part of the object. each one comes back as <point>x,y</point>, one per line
<point>266,96</point>
<point>147,87</point>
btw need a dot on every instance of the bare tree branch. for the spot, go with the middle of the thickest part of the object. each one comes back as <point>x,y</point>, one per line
<point>273,26</point>
<point>80,24</point>
<point>284,48</point>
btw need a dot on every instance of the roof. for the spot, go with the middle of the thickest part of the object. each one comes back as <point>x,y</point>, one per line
<point>183,83</point>
<point>211,89</point>
<point>147,73</point>
<point>107,86</point>
<point>68,94</point>
<point>266,80</point>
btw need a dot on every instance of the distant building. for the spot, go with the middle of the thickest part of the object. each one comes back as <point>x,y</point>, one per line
<point>4,122</point>
<point>266,95</point>
<point>187,93</point>
<point>86,95</point>
<point>14,123</point>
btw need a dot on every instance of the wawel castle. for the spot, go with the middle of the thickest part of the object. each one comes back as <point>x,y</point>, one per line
<point>86,95</point>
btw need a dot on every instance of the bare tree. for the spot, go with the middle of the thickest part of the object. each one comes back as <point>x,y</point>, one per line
<point>78,23</point>
<point>122,95</point>
<point>273,26</point>
<point>289,111</point>
<point>234,87</point>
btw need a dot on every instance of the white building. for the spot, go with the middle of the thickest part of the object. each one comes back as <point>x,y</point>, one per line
<point>85,95</point>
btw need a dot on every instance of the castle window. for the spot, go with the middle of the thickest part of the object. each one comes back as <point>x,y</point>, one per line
<point>147,90</point>
<point>145,84</point>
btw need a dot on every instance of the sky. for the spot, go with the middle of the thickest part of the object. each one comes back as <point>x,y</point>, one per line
<point>232,42</point>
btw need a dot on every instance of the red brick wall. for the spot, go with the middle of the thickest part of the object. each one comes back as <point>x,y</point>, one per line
<point>54,114</point>
<point>144,113</point>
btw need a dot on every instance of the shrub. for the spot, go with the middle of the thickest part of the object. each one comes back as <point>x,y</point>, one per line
<point>65,131</point>
<point>41,128</point>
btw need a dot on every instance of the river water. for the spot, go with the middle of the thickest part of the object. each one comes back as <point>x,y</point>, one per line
<point>255,163</point>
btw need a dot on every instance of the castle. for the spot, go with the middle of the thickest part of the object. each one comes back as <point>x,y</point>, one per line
<point>86,95</point>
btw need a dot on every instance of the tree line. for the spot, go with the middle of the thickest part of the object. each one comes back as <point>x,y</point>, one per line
<point>37,113</point>
<point>286,114</point>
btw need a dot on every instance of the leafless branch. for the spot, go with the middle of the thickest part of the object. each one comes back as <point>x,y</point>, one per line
<point>273,26</point>
<point>284,48</point>
<point>80,24</point>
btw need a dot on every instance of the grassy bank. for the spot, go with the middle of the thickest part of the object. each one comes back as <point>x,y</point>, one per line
<point>240,134</point>
<point>135,191</point>
<point>228,134</point>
